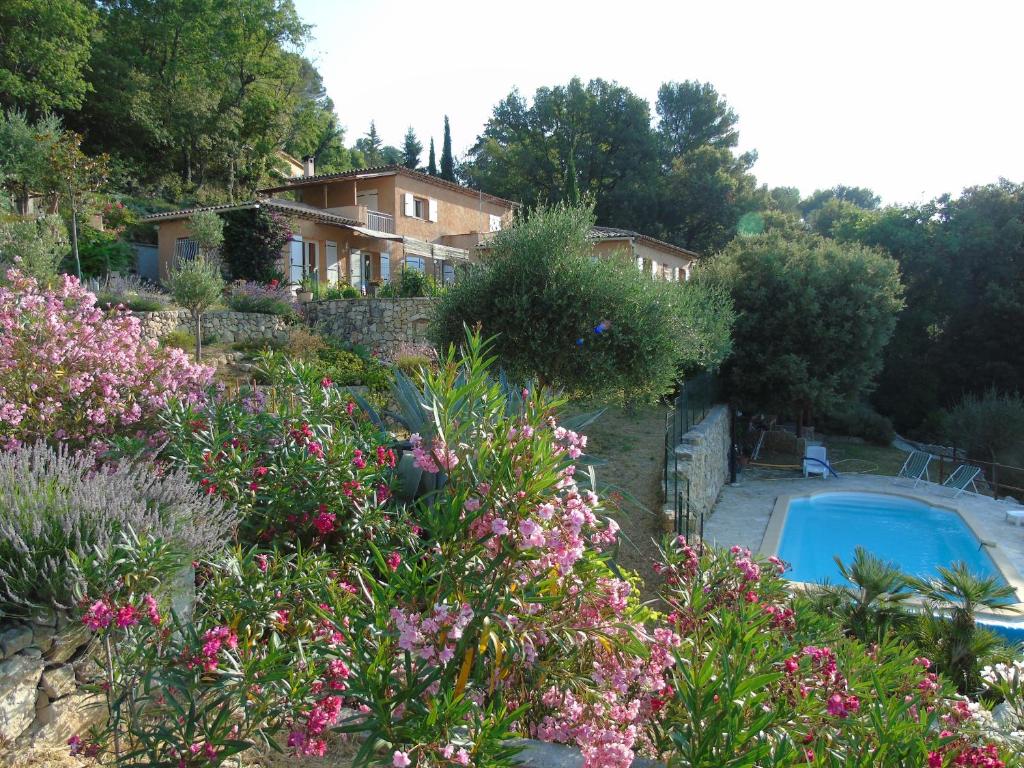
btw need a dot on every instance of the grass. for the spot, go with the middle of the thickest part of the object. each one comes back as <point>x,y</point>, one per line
<point>865,458</point>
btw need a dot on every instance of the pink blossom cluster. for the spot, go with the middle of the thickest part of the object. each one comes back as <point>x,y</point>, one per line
<point>310,740</point>
<point>72,371</point>
<point>432,636</point>
<point>433,457</point>
<point>103,613</point>
<point>214,641</point>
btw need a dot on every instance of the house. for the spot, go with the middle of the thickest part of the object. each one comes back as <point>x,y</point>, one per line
<point>663,260</point>
<point>362,226</point>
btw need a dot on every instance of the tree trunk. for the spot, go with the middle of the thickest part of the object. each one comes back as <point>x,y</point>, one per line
<point>74,233</point>
<point>199,336</point>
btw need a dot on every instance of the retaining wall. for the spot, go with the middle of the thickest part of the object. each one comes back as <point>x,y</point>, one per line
<point>703,459</point>
<point>224,325</point>
<point>373,321</point>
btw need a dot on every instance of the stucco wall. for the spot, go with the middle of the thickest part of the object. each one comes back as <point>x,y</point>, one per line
<point>225,326</point>
<point>703,459</point>
<point>373,322</point>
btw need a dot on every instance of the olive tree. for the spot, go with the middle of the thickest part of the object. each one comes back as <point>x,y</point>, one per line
<point>594,327</point>
<point>196,285</point>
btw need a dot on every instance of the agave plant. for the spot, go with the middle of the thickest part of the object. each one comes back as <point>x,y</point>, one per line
<point>874,601</point>
<point>948,630</point>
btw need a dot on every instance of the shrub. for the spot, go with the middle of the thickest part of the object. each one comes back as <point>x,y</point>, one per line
<point>269,298</point>
<point>861,420</point>
<point>35,247</point>
<point>132,292</point>
<point>253,241</point>
<point>184,340</point>
<point>989,426</point>
<point>593,327</point>
<point>58,506</point>
<point>410,284</point>
<point>70,371</point>
<point>101,253</point>
<point>304,343</point>
<point>334,292</point>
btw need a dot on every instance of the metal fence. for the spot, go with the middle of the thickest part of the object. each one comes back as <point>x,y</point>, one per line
<point>689,407</point>
<point>996,479</point>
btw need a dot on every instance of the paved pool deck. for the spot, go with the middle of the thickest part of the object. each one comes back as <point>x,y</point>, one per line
<point>742,512</point>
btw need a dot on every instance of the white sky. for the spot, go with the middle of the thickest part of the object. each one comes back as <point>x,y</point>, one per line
<point>912,99</point>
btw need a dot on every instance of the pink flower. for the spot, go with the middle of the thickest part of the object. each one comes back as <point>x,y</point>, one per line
<point>499,527</point>
<point>350,407</point>
<point>462,757</point>
<point>326,382</point>
<point>533,534</point>
<point>262,562</point>
<point>357,459</point>
<point>393,560</point>
<point>324,522</point>
<point>400,759</point>
<point>315,449</point>
<point>127,616</point>
<point>152,609</point>
<point>99,615</point>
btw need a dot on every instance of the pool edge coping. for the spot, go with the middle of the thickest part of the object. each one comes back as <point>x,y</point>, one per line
<point>780,512</point>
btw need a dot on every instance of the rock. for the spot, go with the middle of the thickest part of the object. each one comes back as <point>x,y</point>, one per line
<point>58,681</point>
<point>18,679</point>
<point>67,642</point>
<point>13,639</point>
<point>1004,717</point>
<point>45,617</point>
<point>87,670</point>
<point>32,652</point>
<point>42,637</point>
<point>63,719</point>
<point>42,700</point>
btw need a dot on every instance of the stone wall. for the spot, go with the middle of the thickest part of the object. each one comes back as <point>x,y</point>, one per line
<point>702,457</point>
<point>42,663</point>
<point>223,325</point>
<point>374,322</point>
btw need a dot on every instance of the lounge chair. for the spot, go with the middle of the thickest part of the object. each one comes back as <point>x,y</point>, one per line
<point>960,478</point>
<point>915,467</point>
<point>816,461</point>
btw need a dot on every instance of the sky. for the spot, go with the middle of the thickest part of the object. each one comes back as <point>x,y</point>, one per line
<point>912,99</point>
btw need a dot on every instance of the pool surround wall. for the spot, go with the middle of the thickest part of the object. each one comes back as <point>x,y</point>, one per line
<point>1011,614</point>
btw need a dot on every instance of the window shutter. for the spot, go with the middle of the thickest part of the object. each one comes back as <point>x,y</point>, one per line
<point>495,223</point>
<point>409,203</point>
<point>432,209</point>
<point>355,268</point>
<point>385,267</point>
<point>295,260</point>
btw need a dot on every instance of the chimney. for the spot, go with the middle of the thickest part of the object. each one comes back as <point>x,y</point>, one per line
<point>307,165</point>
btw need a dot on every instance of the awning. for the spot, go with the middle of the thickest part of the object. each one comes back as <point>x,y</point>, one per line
<point>374,233</point>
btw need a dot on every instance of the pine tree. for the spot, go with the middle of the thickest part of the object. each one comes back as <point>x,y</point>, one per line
<point>432,162</point>
<point>447,161</point>
<point>412,150</point>
<point>371,146</point>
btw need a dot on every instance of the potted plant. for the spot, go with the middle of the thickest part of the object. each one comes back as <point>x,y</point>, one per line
<point>305,290</point>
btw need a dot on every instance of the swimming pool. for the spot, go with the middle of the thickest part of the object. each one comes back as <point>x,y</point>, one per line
<point>916,536</point>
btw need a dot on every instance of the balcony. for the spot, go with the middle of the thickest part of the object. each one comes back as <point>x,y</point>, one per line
<point>381,222</point>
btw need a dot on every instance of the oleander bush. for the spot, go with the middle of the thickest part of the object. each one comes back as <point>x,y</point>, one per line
<point>70,371</point>
<point>58,505</point>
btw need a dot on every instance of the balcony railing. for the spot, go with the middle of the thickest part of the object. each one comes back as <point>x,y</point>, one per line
<point>381,222</point>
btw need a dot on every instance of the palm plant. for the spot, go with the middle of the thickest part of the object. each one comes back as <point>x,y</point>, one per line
<point>874,601</point>
<point>948,630</point>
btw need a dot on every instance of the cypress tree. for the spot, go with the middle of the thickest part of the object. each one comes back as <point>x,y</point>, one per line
<point>447,161</point>
<point>432,162</point>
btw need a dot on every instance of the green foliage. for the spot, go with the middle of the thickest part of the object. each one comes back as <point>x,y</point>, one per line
<point>447,158</point>
<point>185,340</point>
<point>371,146</point>
<point>100,253</point>
<point>432,162</point>
<point>24,152</point>
<point>207,229</point>
<point>410,283</point>
<point>132,303</point>
<point>990,426</point>
<point>813,317</point>
<point>859,420</point>
<point>44,50</point>
<point>196,285</point>
<point>35,246</point>
<point>589,326</point>
<point>412,149</point>
<point>693,115</point>
<point>859,197</point>
<point>253,241</point>
<point>340,291</point>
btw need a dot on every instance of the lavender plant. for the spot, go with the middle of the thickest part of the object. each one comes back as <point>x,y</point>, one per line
<point>57,503</point>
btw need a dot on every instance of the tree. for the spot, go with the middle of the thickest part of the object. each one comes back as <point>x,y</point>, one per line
<point>44,53</point>
<point>447,159</point>
<point>813,319</point>
<point>591,327</point>
<point>412,150</point>
<point>207,229</point>
<point>77,178</point>
<point>990,426</point>
<point>371,146</point>
<point>598,132</point>
<point>24,155</point>
<point>390,155</point>
<point>34,246</point>
<point>196,285</point>
<point>785,200</point>
<point>253,243</point>
<point>432,162</point>
<point>693,115</point>
<point>861,197</point>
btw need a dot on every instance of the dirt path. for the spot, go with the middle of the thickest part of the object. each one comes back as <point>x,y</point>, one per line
<point>632,444</point>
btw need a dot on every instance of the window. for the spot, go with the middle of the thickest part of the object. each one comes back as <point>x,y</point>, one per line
<point>385,267</point>
<point>185,249</point>
<point>419,207</point>
<point>495,223</point>
<point>312,267</point>
<point>447,274</point>
<point>415,262</point>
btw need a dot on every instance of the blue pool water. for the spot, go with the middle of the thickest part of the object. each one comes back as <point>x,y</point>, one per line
<point>912,534</point>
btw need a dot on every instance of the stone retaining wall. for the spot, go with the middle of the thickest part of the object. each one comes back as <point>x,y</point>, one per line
<point>224,325</point>
<point>43,661</point>
<point>374,322</point>
<point>703,459</point>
